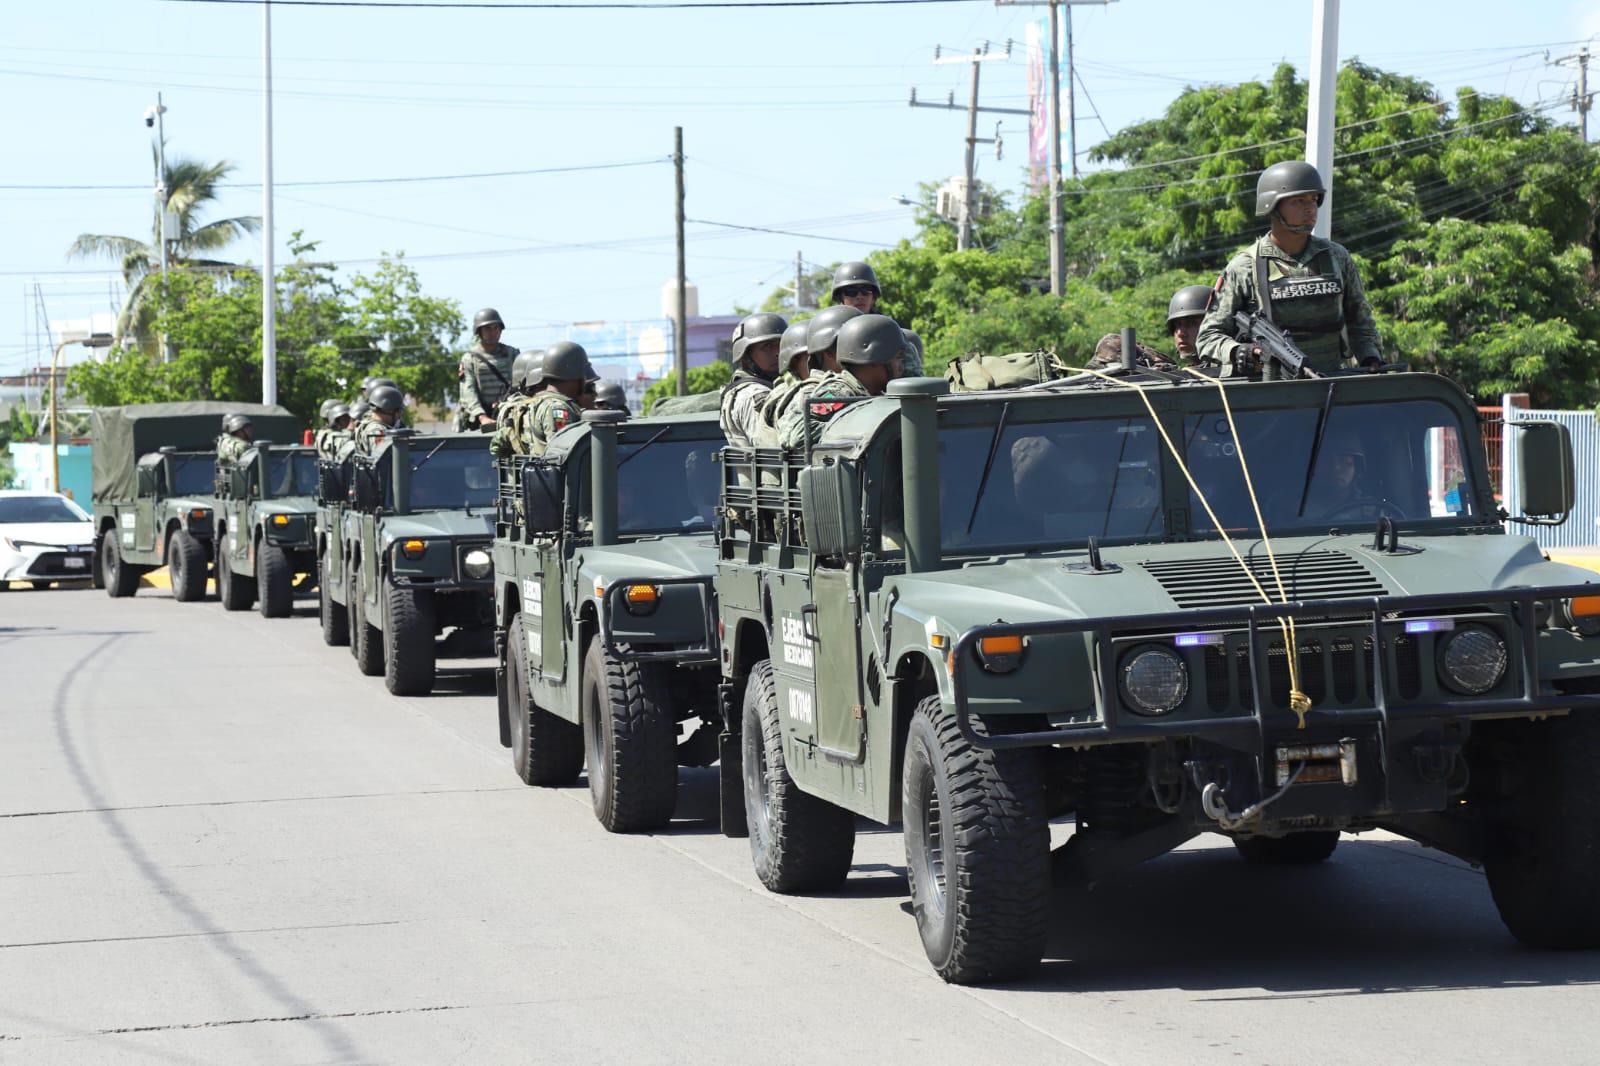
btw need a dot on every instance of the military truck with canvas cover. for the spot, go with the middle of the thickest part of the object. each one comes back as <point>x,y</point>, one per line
<point>603,561</point>
<point>266,527</point>
<point>416,554</point>
<point>973,614</point>
<point>154,467</point>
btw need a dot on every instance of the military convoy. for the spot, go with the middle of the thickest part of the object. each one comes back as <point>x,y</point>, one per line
<point>603,560</point>
<point>266,527</point>
<point>154,475</point>
<point>1155,604</point>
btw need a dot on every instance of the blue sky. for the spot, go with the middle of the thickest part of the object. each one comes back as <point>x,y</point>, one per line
<point>794,119</point>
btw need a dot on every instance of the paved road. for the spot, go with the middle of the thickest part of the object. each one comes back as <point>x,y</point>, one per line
<point>219,843</point>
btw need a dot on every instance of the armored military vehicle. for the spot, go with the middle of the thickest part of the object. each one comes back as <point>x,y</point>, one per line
<point>416,556</point>
<point>1279,612</point>
<point>154,467</point>
<point>332,498</point>
<point>603,560</point>
<point>266,527</point>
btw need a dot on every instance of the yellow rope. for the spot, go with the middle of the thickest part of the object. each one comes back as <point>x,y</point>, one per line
<point>1299,702</point>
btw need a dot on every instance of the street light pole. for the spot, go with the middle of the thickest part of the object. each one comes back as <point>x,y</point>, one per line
<point>1320,97</point>
<point>269,287</point>
<point>94,340</point>
<point>161,180</point>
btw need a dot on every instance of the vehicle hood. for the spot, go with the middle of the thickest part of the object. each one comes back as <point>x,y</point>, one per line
<point>691,556</point>
<point>1041,587</point>
<point>61,534</point>
<point>479,525</point>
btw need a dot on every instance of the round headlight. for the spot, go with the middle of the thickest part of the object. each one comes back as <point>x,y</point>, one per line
<point>1472,660</point>
<point>1154,680</point>
<point>477,563</point>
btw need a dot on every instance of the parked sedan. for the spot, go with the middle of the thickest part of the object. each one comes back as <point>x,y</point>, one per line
<point>44,537</point>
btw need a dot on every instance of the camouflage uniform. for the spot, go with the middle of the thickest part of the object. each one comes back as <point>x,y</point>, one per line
<point>506,420</point>
<point>330,442</point>
<point>230,447</point>
<point>740,408</point>
<point>773,406</point>
<point>532,425</point>
<point>829,386</point>
<point>485,380</point>
<point>1317,296</point>
<point>369,433</point>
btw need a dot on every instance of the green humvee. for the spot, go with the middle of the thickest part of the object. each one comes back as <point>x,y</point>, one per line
<point>265,524</point>
<point>154,467</point>
<point>416,553</point>
<point>333,487</point>
<point>972,614</point>
<point>603,558</point>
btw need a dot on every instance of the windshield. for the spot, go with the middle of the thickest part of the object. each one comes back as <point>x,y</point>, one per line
<point>670,486</point>
<point>454,477</point>
<point>192,475</point>
<point>1404,460</point>
<point>1047,484</point>
<point>20,509</point>
<point>291,473</point>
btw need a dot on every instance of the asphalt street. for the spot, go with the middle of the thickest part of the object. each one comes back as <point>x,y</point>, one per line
<point>220,844</point>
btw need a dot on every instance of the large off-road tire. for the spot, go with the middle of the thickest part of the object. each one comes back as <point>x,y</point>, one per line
<point>186,567</point>
<point>1296,849</point>
<point>237,592</point>
<point>546,750</point>
<point>366,643</point>
<point>798,843</point>
<point>122,579</point>
<point>630,743</point>
<point>1544,870</point>
<point>274,581</point>
<point>332,613</point>
<point>408,641</point>
<point>39,586</point>
<point>977,851</point>
<point>97,573</point>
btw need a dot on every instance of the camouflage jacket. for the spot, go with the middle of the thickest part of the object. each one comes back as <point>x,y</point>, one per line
<point>831,385</point>
<point>507,425</point>
<point>740,408</point>
<point>773,405</point>
<point>230,447</point>
<point>1317,297</point>
<point>331,442</point>
<point>369,433</point>
<point>485,380</point>
<point>531,425</point>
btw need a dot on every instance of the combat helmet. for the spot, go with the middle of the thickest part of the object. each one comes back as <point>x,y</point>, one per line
<point>850,274</point>
<point>792,345</point>
<point>486,317</point>
<point>327,405</point>
<point>566,361</point>
<point>233,423</point>
<point>387,398</point>
<point>527,370</point>
<point>756,329</point>
<point>378,383</point>
<point>336,412</point>
<point>359,410</point>
<point>871,340</point>
<point>609,396</point>
<point>823,330</point>
<point>1280,181</point>
<point>1189,301</point>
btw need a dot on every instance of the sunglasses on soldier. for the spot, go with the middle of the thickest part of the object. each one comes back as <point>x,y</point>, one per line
<point>856,290</point>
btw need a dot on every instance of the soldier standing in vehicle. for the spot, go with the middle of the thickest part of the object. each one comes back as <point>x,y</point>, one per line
<point>1306,285</point>
<point>1185,311</point>
<point>794,356</point>
<point>236,437</point>
<point>485,372</point>
<point>566,373</point>
<point>527,378</point>
<point>388,403</point>
<point>856,285</point>
<point>869,356</point>
<point>609,396</point>
<point>331,439</point>
<point>756,343</point>
<point>821,341</point>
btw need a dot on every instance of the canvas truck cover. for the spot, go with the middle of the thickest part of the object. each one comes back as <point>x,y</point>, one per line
<point>122,434</point>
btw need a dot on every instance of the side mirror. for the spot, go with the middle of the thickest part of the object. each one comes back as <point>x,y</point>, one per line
<point>830,504</point>
<point>543,495</point>
<point>1545,471</point>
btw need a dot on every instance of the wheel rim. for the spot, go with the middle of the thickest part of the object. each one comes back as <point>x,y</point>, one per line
<point>757,788</point>
<point>108,558</point>
<point>516,705</point>
<point>599,748</point>
<point>175,567</point>
<point>933,848</point>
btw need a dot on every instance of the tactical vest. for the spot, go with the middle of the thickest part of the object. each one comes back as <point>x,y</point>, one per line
<point>493,383</point>
<point>1307,301</point>
<point>742,381</point>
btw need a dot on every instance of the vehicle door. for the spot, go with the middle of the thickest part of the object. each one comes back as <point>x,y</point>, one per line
<point>151,485</point>
<point>836,642</point>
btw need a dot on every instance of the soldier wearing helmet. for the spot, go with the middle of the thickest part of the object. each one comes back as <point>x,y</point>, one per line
<point>869,354</point>
<point>1305,284</point>
<point>912,367</point>
<point>527,378</point>
<point>609,396</point>
<point>380,382</point>
<point>388,404</point>
<point>1338,483</point>
<point>567,374</point>
<point>485,372</point>
<point>821,339</point>
<point>330,439</point>
<point>856,285</point>
<point>236,436</point>
<point>756,342</point>
<point>1185,311</point>
<point>794,357</point>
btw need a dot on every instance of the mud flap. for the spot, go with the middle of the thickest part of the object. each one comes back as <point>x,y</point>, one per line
<point>730,785</point>
<point>500,688</point>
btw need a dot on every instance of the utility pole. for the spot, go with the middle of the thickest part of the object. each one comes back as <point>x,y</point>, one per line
<point>680,347</point>
<point>1057,233</point>
<point>799,281</point>
<point>1581,98</point>
<point>161,177</point>
<point>970,194</point>
<point>1319,102</point>
<point>269,284</point>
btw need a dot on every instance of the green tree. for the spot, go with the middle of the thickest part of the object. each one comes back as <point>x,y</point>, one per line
<point>191,187</point>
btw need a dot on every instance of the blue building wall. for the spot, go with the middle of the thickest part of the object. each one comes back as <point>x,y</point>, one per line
<point>33,469</point>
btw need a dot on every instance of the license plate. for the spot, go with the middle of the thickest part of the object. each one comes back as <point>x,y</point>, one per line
<point>75,562</point>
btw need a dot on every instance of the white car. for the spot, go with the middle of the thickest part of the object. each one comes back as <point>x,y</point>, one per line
<point>44,537</point>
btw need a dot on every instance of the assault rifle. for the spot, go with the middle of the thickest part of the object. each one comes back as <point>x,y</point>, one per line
<point>1278,351</point>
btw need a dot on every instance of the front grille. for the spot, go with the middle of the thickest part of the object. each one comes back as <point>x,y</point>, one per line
<point>54,564</point>
<point>1220,582</point>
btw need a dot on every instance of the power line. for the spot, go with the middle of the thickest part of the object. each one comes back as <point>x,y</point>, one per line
<point>581,5</point>
<point>787,233</point>
<point>366,181</point>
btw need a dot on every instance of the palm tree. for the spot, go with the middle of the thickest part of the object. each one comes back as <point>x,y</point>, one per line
<point>191,185</point>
